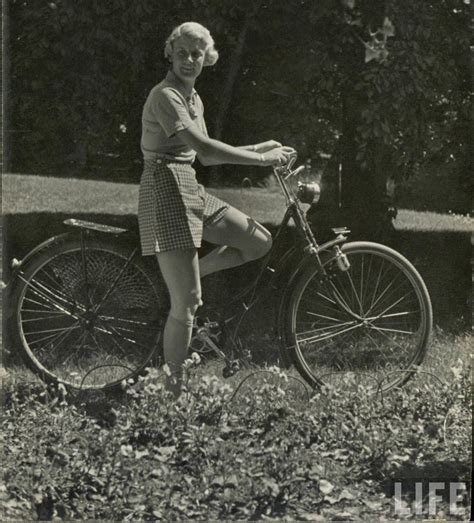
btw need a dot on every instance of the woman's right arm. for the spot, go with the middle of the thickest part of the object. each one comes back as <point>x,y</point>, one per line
<point>215,152</point>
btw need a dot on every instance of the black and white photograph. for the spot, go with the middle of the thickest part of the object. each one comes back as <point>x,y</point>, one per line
<point>237,260</point>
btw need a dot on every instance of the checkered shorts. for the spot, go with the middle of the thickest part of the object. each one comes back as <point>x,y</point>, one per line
<point>173,207</point>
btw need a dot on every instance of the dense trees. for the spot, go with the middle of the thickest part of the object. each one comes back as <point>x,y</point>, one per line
<point>382,85</point>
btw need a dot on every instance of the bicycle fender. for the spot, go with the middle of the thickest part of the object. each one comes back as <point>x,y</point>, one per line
<point>17,265</point>
<point>8,287</point>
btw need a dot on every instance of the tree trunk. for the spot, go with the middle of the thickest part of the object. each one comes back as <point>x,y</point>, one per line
<point>363,197</point>
<point>363,180</point>
<point>228,89</point>
<point>233,72</point>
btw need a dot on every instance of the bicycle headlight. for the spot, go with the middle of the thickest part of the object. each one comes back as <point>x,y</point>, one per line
<point>308,192</point>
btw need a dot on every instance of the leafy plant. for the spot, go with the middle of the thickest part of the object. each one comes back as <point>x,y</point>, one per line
<point>223,452</point>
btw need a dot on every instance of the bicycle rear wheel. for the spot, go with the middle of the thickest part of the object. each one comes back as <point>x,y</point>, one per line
<point>368,325</point>
<point>88,315</point>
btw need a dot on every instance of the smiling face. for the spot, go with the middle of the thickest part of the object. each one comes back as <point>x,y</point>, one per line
<point>187,58</point>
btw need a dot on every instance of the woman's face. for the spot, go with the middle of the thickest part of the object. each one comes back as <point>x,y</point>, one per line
<point>188,58</point>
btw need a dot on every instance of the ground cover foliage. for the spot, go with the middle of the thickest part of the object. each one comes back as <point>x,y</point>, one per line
<point>261,445</point>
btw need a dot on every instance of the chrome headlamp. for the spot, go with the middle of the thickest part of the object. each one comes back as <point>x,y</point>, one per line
<point>308,192</point>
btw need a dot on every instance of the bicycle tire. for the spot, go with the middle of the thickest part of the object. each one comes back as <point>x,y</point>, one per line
<point>87,314</point>
<point>369,325</point>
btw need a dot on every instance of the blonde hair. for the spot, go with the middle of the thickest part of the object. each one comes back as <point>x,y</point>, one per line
<point>197,31</point>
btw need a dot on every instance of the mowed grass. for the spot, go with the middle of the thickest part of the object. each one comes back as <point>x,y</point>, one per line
<point>26,193</point>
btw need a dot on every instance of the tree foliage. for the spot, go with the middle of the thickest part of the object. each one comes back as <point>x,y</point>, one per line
<point>391,77</point>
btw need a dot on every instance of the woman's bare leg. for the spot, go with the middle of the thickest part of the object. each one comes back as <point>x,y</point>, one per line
<point>241,239</point>
<point>180,270</point>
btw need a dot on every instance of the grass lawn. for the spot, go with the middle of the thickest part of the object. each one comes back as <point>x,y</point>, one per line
<point>25,193</point>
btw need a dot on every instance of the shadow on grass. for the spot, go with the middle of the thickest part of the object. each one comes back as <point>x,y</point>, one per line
<point>442,258</point>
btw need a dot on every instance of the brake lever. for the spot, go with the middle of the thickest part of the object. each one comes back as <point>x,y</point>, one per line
<point>292,160</point>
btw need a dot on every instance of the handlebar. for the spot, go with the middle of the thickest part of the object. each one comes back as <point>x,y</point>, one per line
<point>307,192</point>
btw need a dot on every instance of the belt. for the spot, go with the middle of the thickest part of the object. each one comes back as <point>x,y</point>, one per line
<point>170,159</point>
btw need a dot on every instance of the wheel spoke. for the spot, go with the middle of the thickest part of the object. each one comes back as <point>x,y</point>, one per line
<point>343,303</point>
<point>124,320</point>
<point>48,296</point>
<point>43,310</point>
<point>393,315</point>
<point>323,307</point>
<point>101,348</point>
<point>45,306</point>
<point>52,315</point>
<point>393,293</point>
<point>43,290</point>
<point>66,355</point>
<point>116,343</point>
<point>51,337</point>
<point>43,331</point>
<point>349,276</point>
<point>377,347</point>
<point>328,327</point>
<point>383,293</point>
<point>322,316</point>
<point>98,278</point>
<point>331,335</point>
<point>59,288</point>
<point>113,285</point>
<point>323,296</point>
<point>385,329</point>
<point>110,331</point>
<point>382,314</point>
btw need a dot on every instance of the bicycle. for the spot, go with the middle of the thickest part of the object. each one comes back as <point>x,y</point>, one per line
<point>88,311</point>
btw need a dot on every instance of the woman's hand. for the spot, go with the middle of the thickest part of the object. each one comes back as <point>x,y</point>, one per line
<point>277,156</point>
<point>266,146</point>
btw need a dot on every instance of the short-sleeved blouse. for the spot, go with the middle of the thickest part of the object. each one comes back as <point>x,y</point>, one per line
<point>168,109</point>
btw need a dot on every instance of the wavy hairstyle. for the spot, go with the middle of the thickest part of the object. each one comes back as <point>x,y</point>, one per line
<point>197,31</point>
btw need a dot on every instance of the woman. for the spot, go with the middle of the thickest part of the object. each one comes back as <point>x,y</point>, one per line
<point>174,212</point>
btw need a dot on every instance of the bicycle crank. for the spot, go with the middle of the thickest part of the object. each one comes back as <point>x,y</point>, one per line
<point>204,338</point>
<point>201,343</point>
<point>207,340</point>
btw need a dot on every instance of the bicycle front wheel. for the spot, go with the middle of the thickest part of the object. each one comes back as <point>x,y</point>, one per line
<point>88,314</point>
<point>369,325</point>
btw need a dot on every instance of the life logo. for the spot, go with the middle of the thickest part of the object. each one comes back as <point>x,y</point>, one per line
<point>433,498</point>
